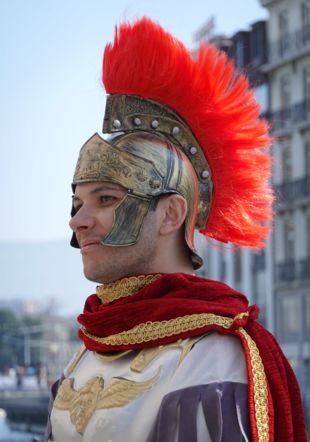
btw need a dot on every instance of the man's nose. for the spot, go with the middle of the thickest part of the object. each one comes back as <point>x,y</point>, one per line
<point>82,220</point>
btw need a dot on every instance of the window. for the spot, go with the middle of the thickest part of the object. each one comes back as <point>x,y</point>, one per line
<point>289,235</point>
<point>286,162</point>
<point>285,99</point>
<point>259,261</point>
<point>307,315</point>
<point>305,19</point>
<point>308,233</point>
<point>306,91</point>
<point>283,23</point>
<point>306,83</point>
<point>255,46</point>
<point>285,91</point>
<point>290,317</point>
<point>305,13</point>
<point>307,158</point>
<point>283,32</point>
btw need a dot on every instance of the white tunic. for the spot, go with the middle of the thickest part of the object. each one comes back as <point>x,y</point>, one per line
<point>117,399</point>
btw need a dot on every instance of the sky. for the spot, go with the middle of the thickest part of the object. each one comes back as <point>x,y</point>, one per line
<point>51,98</point>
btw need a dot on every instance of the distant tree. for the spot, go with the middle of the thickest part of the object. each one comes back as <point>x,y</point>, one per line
<point>13,337</point>
<point>9,345</point>
<point>8,320</point>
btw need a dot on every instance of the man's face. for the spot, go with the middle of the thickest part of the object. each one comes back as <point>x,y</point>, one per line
<point>95,205</point>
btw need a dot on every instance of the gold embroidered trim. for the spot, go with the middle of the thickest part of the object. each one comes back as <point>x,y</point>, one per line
<point>260,389</point>
<point>147,355</point>
<point>124,287</point>
<point>75,360</point>
<point>93,396</point>
<point>150,331</point>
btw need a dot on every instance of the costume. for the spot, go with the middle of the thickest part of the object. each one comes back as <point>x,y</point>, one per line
<point>174,356</point>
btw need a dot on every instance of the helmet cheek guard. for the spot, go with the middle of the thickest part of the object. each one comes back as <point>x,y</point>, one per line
<point>128,220</point>
<point>123,231</point>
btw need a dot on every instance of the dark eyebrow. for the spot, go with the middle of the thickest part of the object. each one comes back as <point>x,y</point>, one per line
<point>99,189</point>
<point>106,187</point>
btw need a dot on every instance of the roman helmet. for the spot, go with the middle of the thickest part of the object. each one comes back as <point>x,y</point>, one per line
<point>184,125</point>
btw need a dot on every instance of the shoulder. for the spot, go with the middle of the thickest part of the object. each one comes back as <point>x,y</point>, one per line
<point>207,398</point>
<point>214,358</point>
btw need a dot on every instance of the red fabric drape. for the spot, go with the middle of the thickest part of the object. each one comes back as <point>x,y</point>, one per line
<point>177,295</point>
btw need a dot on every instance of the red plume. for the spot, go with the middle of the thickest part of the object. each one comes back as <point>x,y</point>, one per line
<point>218,106</point>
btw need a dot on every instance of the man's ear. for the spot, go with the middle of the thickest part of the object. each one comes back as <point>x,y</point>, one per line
<point>174,211</point>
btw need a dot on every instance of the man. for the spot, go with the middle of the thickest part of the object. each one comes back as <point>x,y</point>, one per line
<point>167,355</point>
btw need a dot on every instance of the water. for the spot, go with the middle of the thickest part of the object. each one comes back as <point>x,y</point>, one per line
<point>9,435</point>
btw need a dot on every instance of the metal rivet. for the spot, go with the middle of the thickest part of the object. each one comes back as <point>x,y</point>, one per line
<point>205,174</point>
<point>137,121</point>
<point>155,184</point>
<point>175,130</point>
<point>193,150</point>
<point>154,124</point>
<point>116,124</point>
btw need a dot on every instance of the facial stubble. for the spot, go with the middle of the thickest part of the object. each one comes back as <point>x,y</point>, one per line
<point>114,262</point>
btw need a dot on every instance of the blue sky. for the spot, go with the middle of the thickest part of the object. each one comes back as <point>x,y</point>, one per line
<point>51,99</point>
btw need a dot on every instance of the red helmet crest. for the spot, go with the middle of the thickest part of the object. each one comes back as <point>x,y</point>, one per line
<point>217,104</point>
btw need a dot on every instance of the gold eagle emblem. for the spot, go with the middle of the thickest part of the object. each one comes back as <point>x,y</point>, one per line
<point>92,396</point>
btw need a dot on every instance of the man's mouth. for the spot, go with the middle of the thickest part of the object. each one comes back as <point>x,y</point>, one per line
<point>87,245</point>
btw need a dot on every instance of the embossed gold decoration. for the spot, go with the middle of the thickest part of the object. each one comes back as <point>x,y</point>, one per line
<point>92,396</point>
<point>106,357</point>
<point>147,355</point>
<point>260,388</point>
<point>101,161</point>
<point>150,331</point>
<point>124,287</point>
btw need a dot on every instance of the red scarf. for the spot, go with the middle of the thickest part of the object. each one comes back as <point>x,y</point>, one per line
<point>178,306</point>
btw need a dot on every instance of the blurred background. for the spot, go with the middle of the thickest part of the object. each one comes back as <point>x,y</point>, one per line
<point>52,101</point>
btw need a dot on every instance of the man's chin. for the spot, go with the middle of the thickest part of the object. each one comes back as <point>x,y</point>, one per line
<point>104,278</point>
<point>93,277</point>
<point>98,277</point>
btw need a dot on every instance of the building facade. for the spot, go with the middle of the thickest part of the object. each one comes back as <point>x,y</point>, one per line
<point>288,72</point>
<point>276,56</point>
<point>245,270</point>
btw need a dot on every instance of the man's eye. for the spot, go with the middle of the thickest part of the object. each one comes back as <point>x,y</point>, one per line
<point>107,199</point>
